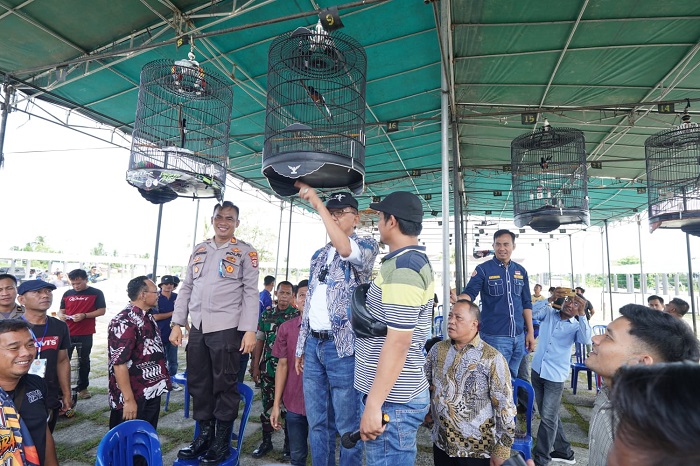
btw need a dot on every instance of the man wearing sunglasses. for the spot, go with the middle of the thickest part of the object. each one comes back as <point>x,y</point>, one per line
<point>325,349</point>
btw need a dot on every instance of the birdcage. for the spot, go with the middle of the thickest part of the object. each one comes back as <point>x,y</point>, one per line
<point>315,118</point>
<point>673,178</point>
<point>181,133</point>
<point>550,180</point>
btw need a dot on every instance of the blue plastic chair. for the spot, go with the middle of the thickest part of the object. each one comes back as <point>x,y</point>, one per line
<point>523,444</point>
<point>129,438</point>
<point>437,325</point>
<point>536,327</point>
<point>180,378</point>
<point>234,458</point>
<point>580,365</point>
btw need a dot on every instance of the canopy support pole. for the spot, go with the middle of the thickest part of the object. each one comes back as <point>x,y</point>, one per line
<point>457,204</point>
<point>196,220</point>
<point>549,260</point>
<point>279,239</point>
<point>602,267</point>
<point>9,91</point>
<point>445,165</point>
<point>607,250</point>
<point>642,279</point>
<point>289,236</point>
<point>155,254</point>
<point>571,258</point>
<point>691,279</point>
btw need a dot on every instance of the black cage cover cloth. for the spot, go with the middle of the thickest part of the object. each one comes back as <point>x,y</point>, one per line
<point>315,116</point>
<point>180,141</point>
<point>550,179</point>
<point>673,178</point>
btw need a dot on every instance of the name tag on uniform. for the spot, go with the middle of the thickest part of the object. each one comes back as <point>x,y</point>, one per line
<point>38,367</point>
<point>491,277</point>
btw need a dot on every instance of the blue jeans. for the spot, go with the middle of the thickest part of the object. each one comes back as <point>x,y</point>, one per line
<point>550,435</point>
<point>171,357</point>
<point>512,348</point>
<point>397,444</point>
<point>298,429</point>
<point>332,403</point>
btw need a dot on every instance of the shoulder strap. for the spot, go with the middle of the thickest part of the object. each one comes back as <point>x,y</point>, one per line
<point>20,390</point>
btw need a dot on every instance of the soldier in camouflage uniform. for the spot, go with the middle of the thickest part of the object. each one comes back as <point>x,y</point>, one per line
<point>264,364</point>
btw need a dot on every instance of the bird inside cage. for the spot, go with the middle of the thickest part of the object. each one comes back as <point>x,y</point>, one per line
<point>189,76</point>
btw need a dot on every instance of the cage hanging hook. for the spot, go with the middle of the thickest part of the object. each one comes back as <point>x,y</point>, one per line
<point>191,55</point>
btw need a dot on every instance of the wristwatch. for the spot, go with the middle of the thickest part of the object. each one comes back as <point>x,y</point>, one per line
<point>173,324</point>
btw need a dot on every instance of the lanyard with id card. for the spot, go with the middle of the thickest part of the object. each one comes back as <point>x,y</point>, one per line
<point>38,366</point>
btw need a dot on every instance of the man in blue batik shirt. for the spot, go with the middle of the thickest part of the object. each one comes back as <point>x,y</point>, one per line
<point>559,329</point>
<point>506,303</point>
<point>326,346</point>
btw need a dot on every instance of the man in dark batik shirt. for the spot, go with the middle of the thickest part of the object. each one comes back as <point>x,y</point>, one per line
<point>136,349</point>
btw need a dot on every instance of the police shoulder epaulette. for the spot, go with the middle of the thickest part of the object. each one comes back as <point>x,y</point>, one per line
<point>240,241</point>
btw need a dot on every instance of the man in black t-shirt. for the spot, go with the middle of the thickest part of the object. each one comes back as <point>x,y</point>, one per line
<point>52,341</point>
<point>28,392</point>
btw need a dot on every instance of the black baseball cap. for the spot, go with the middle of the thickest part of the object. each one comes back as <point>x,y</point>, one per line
<point>401,204</point>
<point>340,200</point>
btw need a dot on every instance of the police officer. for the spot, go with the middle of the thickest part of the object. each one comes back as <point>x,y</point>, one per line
<point>220,296</point>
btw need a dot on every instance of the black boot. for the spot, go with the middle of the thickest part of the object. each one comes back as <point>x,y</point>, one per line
<point>220,447</point>
<point>265,447</point>
<point>201,444</point>
<point>286,454</point>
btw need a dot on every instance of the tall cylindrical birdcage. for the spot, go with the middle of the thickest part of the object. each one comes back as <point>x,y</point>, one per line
<point>181,132</point>
<point>315,118</point>
<point>673,178</point>
<point>550,180</point>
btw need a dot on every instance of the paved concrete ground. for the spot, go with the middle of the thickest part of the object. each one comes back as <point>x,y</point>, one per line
<point>77,438</point>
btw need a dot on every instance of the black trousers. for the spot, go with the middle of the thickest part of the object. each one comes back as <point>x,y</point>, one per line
<point>146,410</point>
<point>441,458</point>
<point>213,362</point>
<point>85,342</point>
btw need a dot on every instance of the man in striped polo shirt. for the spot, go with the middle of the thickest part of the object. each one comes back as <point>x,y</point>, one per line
<point>389,369</point>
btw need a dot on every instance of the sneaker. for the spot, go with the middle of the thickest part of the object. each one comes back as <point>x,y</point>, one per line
<point>177,388</point>
<point>558,457</point>
<point>84,395</point>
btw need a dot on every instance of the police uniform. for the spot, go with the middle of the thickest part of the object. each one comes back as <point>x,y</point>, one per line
<point>221,298</point>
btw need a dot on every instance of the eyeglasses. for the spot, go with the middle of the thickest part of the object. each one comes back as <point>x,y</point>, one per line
<point>147,291</point>
<point>340,213</point>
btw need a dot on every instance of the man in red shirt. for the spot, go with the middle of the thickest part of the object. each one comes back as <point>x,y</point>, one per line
<point>79,308</point>
<point>288,384</point>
